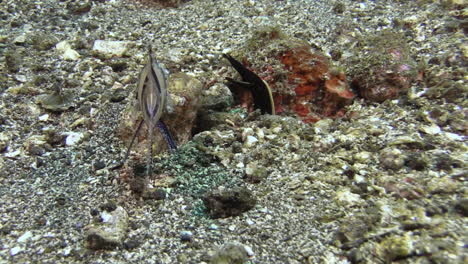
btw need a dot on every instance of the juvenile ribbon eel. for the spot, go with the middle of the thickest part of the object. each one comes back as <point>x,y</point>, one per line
<point>261,92</point>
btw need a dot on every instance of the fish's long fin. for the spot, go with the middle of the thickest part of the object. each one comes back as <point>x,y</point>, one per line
<point>149,162</point>
<point>167,135</point>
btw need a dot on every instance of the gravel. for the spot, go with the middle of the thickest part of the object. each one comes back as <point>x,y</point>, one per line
<point>385,183</point>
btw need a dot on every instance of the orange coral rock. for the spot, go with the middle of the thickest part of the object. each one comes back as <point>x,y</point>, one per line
<point>317,92</point>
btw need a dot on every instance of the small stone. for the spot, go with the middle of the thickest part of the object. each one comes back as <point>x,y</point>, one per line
<point>21,78</point>
<point>431,130</point>
<point>66,252</point>
<point>410,20</point>
<point>56,102</point>
<point>346,197</point>
<point>132,244</point>
<point>186,236</point>
<point>13,154</point>
<point>79,7</point>
<point>71,55</point>
<point>453,136</point>
<point>250,141</point>
<point>255,173</point>
<point>99,165</point>
<point>106,217</point>
<point>15,250</point>
<point>183,258</point>
<point>110,48</point>
<point>25,237</point>
<point>3,145</point>
<point>414,140</point>
<point>74,138</point>
<point>36,150</point>
<point>392,159</point>
<point>223,203</point>
<point>21,39</point>
<point>42,41</point>
<point>213,227</point>
<point>441,185</point>
<point>109,206</point>
<point>44,117</point>
<point>67,52</point>
<point>118,95</point>
<point>110,232</point>
<point>362,157</point>
<point>232,253</point>
<point>339,8</point>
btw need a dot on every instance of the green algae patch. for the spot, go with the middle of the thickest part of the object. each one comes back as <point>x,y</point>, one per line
<point>195,171</point>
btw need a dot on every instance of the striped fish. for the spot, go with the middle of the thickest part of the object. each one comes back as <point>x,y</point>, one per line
<point>152,97</point>
<point>152,91</point>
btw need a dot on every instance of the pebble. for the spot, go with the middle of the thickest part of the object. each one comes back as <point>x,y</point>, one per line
<point>186,236</point>
<point>67,52</point>
<point>118,95</point>
<point>260,133</point>
<point>391,158</point>
<point>13,154</point>
<point>109,233</point>
<point>250,141</point>
<point>44,117</point>
<point>222,203</point>
<point>74,138</point>
<point>25,237</point>
<point>106,217</point>
<point>70,55</point>
<point>213,227</point>
<point>21,39</point>
<point>99,165</point>
<point>232,253</point>
<point>55,102</point>
<point>15,250</point>
<point>111,48</point>
<point>346,197</point>
<point>66,252</point>
<point>453,136</point>
<point>21,78</point>
<point>431,130</point>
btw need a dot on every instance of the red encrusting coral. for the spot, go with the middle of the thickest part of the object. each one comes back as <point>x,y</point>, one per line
<point>316,91</point>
